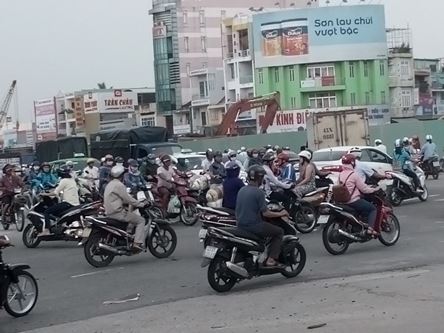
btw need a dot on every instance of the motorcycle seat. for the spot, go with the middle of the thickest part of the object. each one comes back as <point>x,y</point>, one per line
<point>243,234</point>
<point>225,210</point>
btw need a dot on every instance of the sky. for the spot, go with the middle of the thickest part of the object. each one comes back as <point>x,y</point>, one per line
<point>52,46</point>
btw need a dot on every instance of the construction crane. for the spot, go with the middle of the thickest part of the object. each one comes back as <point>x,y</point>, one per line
<point>5,105</point>
<point>271,102</point>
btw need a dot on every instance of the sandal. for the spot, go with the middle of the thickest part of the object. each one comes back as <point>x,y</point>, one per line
<point>371,231</point>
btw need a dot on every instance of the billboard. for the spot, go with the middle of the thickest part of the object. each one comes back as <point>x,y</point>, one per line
<point>45,119</point>
<point>284,121</point>
<point>324,34</point>
<point>110,101</point>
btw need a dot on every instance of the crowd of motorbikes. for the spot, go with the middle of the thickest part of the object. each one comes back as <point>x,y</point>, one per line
<point>232,255</point>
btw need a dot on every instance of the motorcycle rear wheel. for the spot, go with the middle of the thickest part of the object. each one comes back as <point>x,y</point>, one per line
<point>424,196</point>
<point>329,228</point>
<point>390,225</point>
<point>20,220</point>
<point>435,174</point>
<point>162,241</point>
<point>295,261</point>
<point>189,214</point>
<point>16,291</point>
<point>91,251</point>
<point>395,198</point>
<point>30,237</point>
<point>305,219</point>
<point>219,277</point>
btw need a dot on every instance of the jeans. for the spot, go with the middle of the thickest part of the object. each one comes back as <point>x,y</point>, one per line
<point>414,176</point>
<point>56,210</point>
<point>268,230</point>
<point>363,207</point>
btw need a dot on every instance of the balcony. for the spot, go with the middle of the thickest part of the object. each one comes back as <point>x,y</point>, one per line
<point>199,72</point>
<point>199,100</point>
<point>325,83</point>
<point>401,81</point>
<point>241,55</point>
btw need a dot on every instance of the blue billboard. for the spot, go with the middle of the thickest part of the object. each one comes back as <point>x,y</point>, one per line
<point>321,34</point>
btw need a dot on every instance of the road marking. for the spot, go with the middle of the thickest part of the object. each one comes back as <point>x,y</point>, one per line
<point>434,195</point>
<point>439,200</point>
<point>95,273</point>
<point>439,222</point>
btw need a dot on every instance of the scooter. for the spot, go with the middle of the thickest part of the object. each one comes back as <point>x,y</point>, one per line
<point>431,167</point>
<point>403,187</point>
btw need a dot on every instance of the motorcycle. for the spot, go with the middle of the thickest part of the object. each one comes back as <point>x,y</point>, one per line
<point>183,203</point>
<point>14,212</point>
<point>432,167</point>
<point>233,255</point>
<point>214,217</point>
<point>18,288</point>
<point>109,238</point>
<point>404,188</point>
<point>345,226</point>
<point>144,193</point>
<point>69,227</point>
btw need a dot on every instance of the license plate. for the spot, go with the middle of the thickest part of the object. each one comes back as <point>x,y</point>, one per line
<point>436,164</point>
<point>86,232</point>
<point>210,252</point>
<point>323,219</point>
<point>202,233</point>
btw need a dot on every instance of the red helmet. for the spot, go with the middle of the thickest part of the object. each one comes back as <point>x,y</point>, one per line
<point>283,157</point>
<point>349,159</point>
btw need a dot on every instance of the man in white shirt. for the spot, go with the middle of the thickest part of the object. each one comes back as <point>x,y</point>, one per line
<point>206,163</point>
<point>380,146</point>
<point>91,173</point>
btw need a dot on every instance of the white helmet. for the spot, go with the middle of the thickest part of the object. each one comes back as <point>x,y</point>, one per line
<point>398,143</point>
<point>378,142</point>
<point>117,171</point>
<point>405,140</point>
<point>429,137</point>
<point>306,154</point>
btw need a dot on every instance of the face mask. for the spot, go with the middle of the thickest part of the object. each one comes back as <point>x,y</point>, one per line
<point>119,164</point>
<point>255,155</point>
<point>110,163</point>
<point>36,168</point>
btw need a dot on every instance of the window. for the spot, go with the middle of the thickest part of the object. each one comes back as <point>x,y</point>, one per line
<point>383,97</point>
<point>406,98</point>
<point>203,43</point>
<point>203,89</point>
<point>351,68</point>
<point>378,157</point>
<point>381,68</point>
<point>317,72</point>
<point>365,68</point>
<point>186,42</point>
<point>405,68</point>
<point>260,76</point>
<point>365,157</point>
<point>367,98</point>
<point>149,121</point>
<point>291,73</point>
<point>188,68</point>
<point>185,17</point>
<point>203,117</point>
<point>293,102</point>
<point>202,17</point>
<point>322,100</point>
<point>353,98</point>
<point>276,74</point>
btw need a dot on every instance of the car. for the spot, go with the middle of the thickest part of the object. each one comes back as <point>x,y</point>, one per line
<point>193,161</point>
<point>371,156</point>
<point>78,162</point>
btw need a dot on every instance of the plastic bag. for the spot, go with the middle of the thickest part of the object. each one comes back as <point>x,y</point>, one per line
<point>174,205</point>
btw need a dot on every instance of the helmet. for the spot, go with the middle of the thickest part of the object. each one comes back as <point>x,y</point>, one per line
<point>109,157</point>
<point>64,171</point>
<point>256,172</point>
<point>165,158</point>
<point>243,149</point>
<point>405,140</point>
<point>232,165</point>
<point>378,142</point>
<point>305,154</point>
<point>415,137</point>
<point>356,152</point>
<point>69,164</point>
<point>35,163</point>
<point>268,147</point>
<point>276,147</point>
<point>398,143</point>
<point>283,157</point>
<point>349,159</point>
<point>117,171</point>
<point>120,159</point>
<point>429,137</point>
<point>132,162</point>
<point>218,154</point>
<point>8,167</point>
<point>232,153</point>
<point>45,164</point>
<point>90,160</point>
<point>151,157</point>
<point>268,157</point>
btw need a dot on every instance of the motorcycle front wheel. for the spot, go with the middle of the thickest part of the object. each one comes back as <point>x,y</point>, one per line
<point>30,237</point>
<point>334,243</point>
<point>390,230</point>
<point>20,219</point>
<point>93,254</point>
<point>21,297</point>
<point>395,198</point>
<point>219,276</point>
<point>162,241</point>
<point>294,261</point>
<point>189,214</point>
<point>425,195</point>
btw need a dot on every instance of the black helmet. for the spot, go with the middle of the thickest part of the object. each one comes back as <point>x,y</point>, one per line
<point>45,164</point>
<point>268,157</point>
<point>119,159</point>
<point>218,154</point>
<point>232,166</point>
<point>256,172</point>
<point>36,163</point>
<point>64,171</point>
<point>209,153</point>
<point>132,162</point>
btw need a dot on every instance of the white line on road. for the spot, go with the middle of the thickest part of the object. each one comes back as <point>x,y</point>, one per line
<point>434,195</point>
<point>439,200</point>
<point>439,222</point>
<point>96,272</point>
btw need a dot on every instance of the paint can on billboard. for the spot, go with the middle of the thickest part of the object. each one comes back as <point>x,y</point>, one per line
<point>295,37</point>
<point>271,39</point>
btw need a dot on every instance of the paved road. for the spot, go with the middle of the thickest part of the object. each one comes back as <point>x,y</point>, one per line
<point>72,290</point>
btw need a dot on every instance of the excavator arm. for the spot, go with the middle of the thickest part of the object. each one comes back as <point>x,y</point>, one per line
<point>5,105</point>
<point>270,102</point>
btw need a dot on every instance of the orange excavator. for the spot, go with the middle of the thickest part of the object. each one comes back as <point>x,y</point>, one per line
<point>270,102</point>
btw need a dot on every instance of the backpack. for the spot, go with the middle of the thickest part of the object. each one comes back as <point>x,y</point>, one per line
<point>341,193</point>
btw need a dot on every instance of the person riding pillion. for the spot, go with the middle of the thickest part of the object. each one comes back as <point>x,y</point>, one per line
<point>104,172</point>
<point>91,173</point>
<point>405,161</point>
<point>115,201</point>
<point>133,179</point>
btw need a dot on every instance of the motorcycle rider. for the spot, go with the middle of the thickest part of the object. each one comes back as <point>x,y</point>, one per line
<point>288,172</point>
<point>242,156</point>
<point>254,159</point>
<point>68,187</point>
<point>307,175</point>
<point>428,151</point>
<point>8,183</point>
<point>380,146</point>
<point>206,163</point>
<point>231,185</point>
<point>165,185</point>
<point>104,172</point>
<point>217,169</point>
<point>408,147</point>
<point>133,178</point>
<point>273,186</point>
<point>45,178</point>
<point>148,169</point>
<point>119,160</point>
<point>405,161</point>
<point>356,187</point>
<point>33,172</point>
<point>115,198</point>
<point>91,173</point>
<point>232,157</point>
<point>251,208</point>
<point>367,174</point>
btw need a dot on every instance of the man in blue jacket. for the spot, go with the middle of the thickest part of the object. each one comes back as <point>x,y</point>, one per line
<point>231,185</point>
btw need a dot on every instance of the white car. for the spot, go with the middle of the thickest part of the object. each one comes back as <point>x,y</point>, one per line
<point>192,161</point>
<point>371,156</point>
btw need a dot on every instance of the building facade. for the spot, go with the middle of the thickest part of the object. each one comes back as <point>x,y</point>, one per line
<point>187,38</point>
<point>429,92</point>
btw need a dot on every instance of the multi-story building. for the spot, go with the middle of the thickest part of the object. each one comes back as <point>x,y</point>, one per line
<point>187,38</point>
<point>429,92</point>
<point>295,55</point>
<point>66,114</point>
